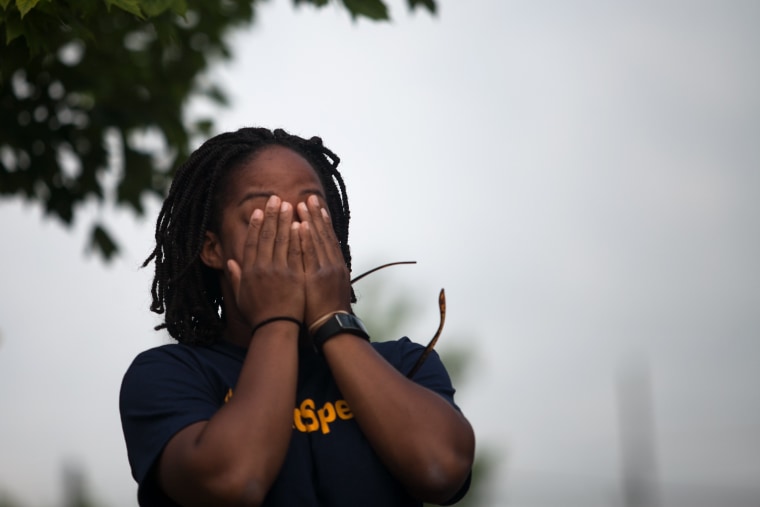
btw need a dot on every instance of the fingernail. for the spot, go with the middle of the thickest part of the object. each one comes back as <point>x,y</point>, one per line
<point>257,214</point>
<point>285,206</point>
<point>325,214</point>
<point>313,200</point>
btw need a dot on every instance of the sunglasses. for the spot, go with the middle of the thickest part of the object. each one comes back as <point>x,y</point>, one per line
<point>441,309</point>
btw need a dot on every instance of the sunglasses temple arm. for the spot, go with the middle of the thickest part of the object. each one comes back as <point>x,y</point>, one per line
<point>429,348</point>
<point>356,279</point>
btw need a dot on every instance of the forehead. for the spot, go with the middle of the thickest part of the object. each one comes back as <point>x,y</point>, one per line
<point>276,169</point>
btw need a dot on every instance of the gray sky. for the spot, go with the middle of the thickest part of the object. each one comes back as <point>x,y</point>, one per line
<point>582,177</point>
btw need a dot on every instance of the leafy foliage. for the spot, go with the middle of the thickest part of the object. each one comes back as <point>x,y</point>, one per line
<point>85,84</point>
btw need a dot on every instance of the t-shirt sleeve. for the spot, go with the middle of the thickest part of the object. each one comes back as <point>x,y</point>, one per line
<point>404,353</point>
<point>162,392</point>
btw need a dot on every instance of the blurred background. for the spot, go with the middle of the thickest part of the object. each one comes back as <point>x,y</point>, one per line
<point>583,178</point>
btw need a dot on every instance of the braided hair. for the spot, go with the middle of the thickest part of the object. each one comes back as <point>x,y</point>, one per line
<point>184,289</point>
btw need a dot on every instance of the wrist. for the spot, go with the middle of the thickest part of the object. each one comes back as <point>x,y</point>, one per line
<point>319,321</point>
<point>278,318</point>
<point>336,323</point>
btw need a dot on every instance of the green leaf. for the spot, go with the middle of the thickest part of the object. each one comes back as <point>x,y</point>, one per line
<point>137,177</point>
<point>179,7</point>
<point>131,6</point>
<point>102,243</point>
<point>137,91</point>
<point>372,9</point>
<point>13,29</point>
<point>427,4</point>
<point>153,8</point>
<point>24,6</point>
<point>204,126</point>
<point>318,3</point>
<point>216,94</point>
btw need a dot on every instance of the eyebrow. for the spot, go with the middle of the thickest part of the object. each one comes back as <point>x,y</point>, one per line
<point>267,194</point>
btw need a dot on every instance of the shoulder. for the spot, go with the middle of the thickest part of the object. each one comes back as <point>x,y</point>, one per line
<point>176,370</point>
<point>175,358</point>
<point>398,352</point>
<point>166,361</point>
<point>168,388</point>
<point>169,353</point>
<point>403,354</point>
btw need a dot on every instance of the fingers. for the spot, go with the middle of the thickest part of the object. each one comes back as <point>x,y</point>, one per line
<point>267,277</point>
<point>255,224</point>
<point>295,256</point>
<point>235,275</point>
<point>281,252</point>
<point>273,237</point>
<point>309,251</point>
<point>267,235</point>
<point>324,247</point>
<point>327,278</point>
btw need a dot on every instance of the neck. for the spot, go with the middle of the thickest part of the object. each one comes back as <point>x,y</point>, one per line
<point>237,332</point>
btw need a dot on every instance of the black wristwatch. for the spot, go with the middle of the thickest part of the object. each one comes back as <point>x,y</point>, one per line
<point>339,323</point>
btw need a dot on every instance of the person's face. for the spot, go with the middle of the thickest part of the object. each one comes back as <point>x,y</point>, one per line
<point>275,170</point>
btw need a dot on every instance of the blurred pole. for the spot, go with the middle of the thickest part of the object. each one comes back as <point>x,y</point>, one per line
<point>74,491</point>
<point>639,470</point>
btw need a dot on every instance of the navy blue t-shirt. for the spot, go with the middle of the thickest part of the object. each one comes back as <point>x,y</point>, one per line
<point>329,461</point>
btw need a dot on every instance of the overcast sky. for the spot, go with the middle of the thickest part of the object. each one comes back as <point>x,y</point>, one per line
<point>583,177</point>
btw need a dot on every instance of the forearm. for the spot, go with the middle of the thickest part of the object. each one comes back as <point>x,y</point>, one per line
<point>237,454</point>
<point>426,443</point>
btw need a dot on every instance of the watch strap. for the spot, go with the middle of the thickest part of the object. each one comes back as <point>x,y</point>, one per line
<point>339,323</point>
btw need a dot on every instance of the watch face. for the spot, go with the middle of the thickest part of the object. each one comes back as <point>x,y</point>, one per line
<point>350,322</point>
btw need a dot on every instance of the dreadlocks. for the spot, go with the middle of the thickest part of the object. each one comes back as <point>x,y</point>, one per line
<point>184,288</point>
